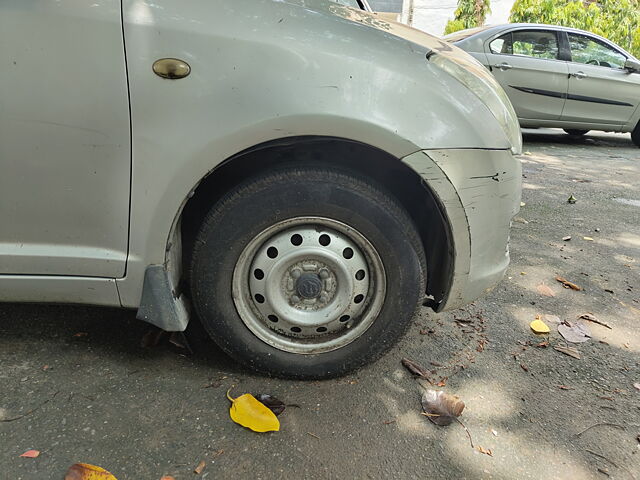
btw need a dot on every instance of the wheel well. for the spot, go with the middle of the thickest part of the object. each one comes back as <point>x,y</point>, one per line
<point>405,184</point>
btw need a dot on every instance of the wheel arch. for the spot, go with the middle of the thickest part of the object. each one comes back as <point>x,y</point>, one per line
<point>385,169</point>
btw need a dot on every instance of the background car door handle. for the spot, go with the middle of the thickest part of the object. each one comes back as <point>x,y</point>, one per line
<point>578,75</point>
<point>504,66</point>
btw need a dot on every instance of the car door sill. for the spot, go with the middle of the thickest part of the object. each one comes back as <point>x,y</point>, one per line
<point>59,289</point>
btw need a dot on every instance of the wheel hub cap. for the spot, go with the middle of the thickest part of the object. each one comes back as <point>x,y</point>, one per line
<point>309,285</point>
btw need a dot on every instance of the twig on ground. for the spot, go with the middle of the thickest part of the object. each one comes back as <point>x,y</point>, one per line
<point>466,430</point>
<point>456,419</point>
<point>29,412</point>
<point>612,463</point>
<point>615,425</point>
<point>602,457</point>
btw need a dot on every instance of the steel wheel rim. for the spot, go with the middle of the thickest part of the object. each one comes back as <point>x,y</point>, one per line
<point>309,285</point>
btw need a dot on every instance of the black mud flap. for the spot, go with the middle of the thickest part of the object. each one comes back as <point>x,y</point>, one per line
<point>159,305</point>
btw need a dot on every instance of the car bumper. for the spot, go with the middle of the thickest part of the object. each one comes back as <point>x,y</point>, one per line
<point>480,192</point>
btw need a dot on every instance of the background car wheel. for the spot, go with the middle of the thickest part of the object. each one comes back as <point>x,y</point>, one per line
<point>635,135</point>
<point>576,133</point>
<point>307,272</point>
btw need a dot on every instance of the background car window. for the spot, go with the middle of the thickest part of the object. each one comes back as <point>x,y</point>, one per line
<point>502,45</point>
<point>590,51</point>
<point>535,43</point>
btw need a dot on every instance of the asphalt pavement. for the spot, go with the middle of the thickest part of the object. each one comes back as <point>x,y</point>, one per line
<point>77,386</point>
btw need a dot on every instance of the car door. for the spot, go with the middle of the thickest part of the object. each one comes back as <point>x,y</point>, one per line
<point>600,89</point>
<point>64,139</point>
<point>528,65</point>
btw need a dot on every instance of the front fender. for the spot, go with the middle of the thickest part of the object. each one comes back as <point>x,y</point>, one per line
<point>263,70</point>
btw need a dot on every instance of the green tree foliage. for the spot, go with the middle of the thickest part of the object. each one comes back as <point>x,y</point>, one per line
<point>469,14</point>
<point>616,20</point>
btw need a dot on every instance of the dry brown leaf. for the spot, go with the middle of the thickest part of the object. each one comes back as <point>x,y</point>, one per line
<point>441,408</point>
<point>592,318</point>
<point>31,454</point>
<point>274,404</point>
<point>545,290</point>
<point>544,344</point>
<point>572,352</point>
<point>567,284</point>
<point>198,470</point>
<point>574,332</point>
<point>167,477</point>
<point>486,451</point>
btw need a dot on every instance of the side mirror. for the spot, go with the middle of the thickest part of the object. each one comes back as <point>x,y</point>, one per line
<point>632,66</point>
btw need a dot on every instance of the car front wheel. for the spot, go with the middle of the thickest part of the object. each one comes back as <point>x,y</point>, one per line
<point>307,272</point>
<point>635,135</point>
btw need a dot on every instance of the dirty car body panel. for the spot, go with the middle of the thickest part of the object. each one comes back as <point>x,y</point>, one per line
<point>262,73</point>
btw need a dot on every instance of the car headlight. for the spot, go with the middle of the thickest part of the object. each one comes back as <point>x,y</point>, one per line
<point>473,75</point>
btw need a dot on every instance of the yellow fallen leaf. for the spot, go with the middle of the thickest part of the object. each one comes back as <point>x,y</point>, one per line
<point>247,411</point>
<point>588,239</point>
<point>84,471</point>
<point>538,326</point>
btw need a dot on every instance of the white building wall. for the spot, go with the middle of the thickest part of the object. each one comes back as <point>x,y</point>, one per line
<point>432,15</point>
<point>500,10</point>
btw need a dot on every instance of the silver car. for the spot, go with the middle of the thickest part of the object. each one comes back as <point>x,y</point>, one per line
<point>560,77</point>
<point>298,176</point>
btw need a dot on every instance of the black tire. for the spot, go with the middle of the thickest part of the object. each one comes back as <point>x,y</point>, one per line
<point>297,191</point>
<point>635,135</point>
<point>575,132</point>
